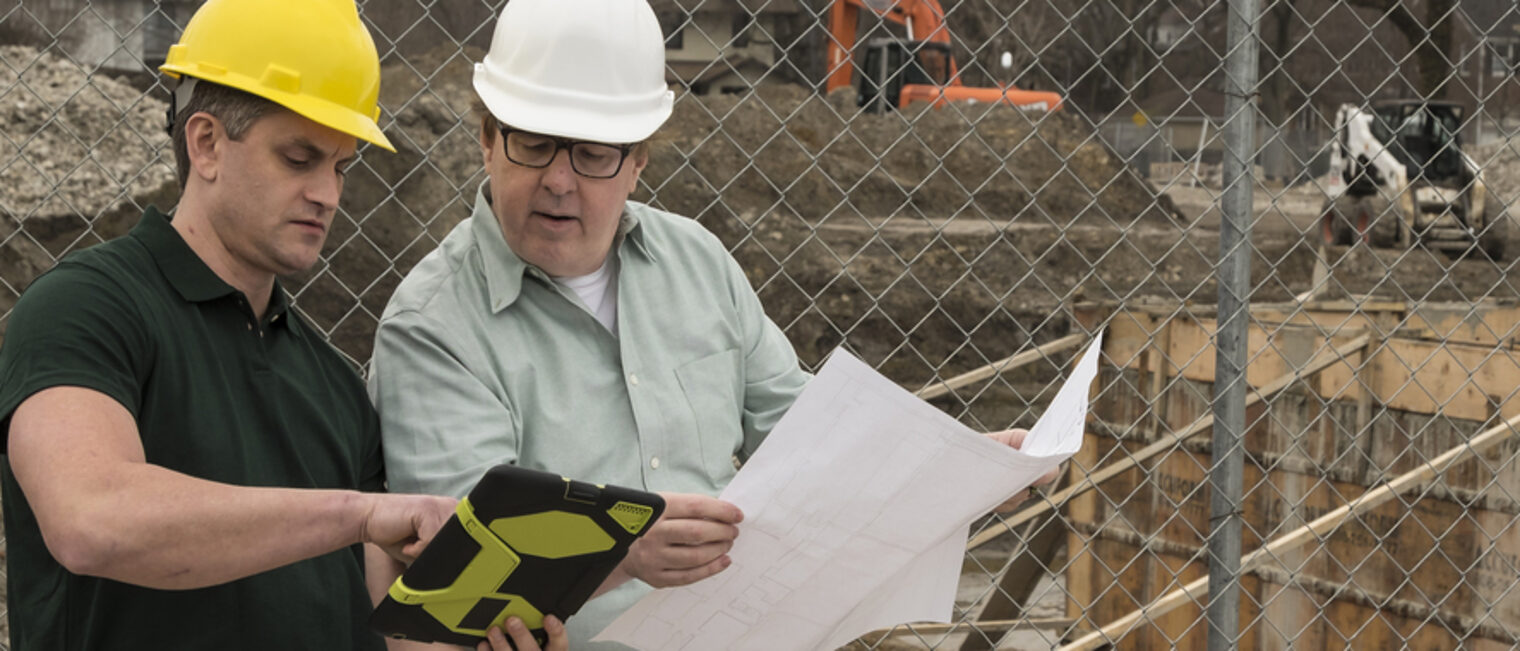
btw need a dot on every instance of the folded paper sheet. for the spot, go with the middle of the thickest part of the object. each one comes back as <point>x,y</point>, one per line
<point>856,514</point>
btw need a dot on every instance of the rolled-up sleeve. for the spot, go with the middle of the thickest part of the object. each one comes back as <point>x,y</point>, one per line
<point>442,428</point>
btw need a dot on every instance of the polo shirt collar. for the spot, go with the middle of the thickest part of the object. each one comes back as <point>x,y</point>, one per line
<point>504,271</point>
<point>187,273</point>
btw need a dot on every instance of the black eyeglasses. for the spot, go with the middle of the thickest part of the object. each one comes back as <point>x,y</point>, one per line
<point>593,160</point>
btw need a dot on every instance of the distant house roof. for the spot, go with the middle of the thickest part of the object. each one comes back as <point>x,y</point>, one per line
<point>726,6</point>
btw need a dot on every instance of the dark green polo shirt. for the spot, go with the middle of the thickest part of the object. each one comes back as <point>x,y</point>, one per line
<point>217,395</point>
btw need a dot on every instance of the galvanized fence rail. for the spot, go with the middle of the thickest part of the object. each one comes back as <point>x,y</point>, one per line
<point>1291,217</point>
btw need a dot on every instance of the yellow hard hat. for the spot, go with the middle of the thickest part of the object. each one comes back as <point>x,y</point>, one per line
<point>313,57</point>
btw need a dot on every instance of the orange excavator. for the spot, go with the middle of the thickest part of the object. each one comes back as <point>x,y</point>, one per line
<point>895,72</point>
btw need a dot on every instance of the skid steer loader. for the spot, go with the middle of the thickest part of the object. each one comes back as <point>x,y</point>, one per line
<point>1399,179</point>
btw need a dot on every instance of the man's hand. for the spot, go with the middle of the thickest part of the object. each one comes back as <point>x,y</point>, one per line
<point>1014,438</point>
<point>689,542</point>
<point>497,641</point>
<point>404,524</point>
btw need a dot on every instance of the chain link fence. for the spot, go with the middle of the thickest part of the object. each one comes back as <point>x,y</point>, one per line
<point>1359,152</point>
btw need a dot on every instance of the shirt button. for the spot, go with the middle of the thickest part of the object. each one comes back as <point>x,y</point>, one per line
<point>633,379</point>
<point>654,462</point>
<point>250,326</point>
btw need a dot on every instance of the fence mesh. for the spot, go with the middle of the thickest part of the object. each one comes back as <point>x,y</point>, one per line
<point>938,242</point>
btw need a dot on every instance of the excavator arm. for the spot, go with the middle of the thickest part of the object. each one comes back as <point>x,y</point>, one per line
<point>924,19</point>
<point>927,47</point>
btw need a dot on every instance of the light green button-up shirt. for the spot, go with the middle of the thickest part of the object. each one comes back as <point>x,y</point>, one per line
<point>481,359</point>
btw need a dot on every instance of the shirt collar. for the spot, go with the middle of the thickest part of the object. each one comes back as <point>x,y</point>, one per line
<point>187,273</point>
<point>504,271</point>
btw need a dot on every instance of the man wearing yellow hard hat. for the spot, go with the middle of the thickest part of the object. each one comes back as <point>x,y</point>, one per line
<point>189,464</point>
<point>564,327</point>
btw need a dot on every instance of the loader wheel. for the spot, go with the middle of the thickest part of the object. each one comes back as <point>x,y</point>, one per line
<point>1334,229</point>
<point>1363,232</point>
<point>1384,232</point>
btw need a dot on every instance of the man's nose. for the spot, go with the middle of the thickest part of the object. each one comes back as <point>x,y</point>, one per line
<point>325,189</point>
<point>559,176</point>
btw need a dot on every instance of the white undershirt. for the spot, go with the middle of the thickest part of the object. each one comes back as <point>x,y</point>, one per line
<point>598,291</point>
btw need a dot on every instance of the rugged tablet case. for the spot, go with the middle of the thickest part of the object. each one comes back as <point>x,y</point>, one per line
<point>525,543</point>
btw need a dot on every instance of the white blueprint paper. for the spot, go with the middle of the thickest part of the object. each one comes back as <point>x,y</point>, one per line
<point>856,513</point>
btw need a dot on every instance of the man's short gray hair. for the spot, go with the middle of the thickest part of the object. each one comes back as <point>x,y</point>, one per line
<point>237,110</point>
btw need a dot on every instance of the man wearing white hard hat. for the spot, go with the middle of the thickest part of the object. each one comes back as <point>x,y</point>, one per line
<point>188,463</point>
<point>566,328</point>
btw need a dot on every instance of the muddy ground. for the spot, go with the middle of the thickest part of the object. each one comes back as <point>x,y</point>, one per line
<point>929,241</point>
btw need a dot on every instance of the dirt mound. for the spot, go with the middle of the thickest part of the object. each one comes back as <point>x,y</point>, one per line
<point>807,191</point>
<point>73,149</point>
<point>75,143</point>
<point>765,171</point>
<point>783,148</point>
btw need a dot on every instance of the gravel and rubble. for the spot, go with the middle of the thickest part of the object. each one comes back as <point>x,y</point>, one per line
<point>905,235</point>
<point>73,148</point>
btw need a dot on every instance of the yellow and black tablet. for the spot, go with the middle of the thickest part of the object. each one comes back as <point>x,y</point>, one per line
<point>525,543</point>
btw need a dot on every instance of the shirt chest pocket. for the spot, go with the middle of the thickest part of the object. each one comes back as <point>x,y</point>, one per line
<point>710,386</point>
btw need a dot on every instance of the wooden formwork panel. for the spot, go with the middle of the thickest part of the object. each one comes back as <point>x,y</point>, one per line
<point>1436,568</point>
<point>1465,376</point>
<point>1147,534</point>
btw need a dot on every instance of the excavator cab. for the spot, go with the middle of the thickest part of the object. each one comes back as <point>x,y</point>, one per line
<point>891,63</point>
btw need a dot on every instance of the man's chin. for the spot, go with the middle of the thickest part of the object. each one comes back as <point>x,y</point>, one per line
<point>297,266</point>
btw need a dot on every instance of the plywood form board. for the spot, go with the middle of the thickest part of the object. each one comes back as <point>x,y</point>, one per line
<point>1461,380</point>
<point>1417,550</point>
<point>1487,324</point>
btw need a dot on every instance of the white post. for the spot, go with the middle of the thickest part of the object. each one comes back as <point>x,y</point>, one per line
<point>1203,130</point>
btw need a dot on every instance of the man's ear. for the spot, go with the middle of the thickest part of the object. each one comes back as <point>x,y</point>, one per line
<point>205,141</point>
<point>639,158</point>
<point>488,135</point>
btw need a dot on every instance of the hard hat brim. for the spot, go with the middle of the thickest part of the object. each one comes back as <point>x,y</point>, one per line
<point>320,111</point>
<point>549,112</point>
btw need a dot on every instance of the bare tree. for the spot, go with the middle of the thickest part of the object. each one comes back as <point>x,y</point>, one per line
<point>985,29</point>
<point>1429,37</point>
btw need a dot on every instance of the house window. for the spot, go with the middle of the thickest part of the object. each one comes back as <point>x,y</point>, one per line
<point>742,22</point>
<point>1503,57</point>
<point>673,26</point>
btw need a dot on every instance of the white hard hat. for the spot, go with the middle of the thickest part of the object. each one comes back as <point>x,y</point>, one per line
<point>582,69</point>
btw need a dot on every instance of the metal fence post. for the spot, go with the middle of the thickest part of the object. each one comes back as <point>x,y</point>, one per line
<point>1225,475</point>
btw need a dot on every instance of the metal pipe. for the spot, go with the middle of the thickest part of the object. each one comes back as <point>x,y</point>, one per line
<point>1225,475</point>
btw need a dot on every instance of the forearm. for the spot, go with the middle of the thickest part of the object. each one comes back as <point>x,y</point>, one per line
<point>147,525</point>
<point>104,510</point>
<point>380,571</point>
